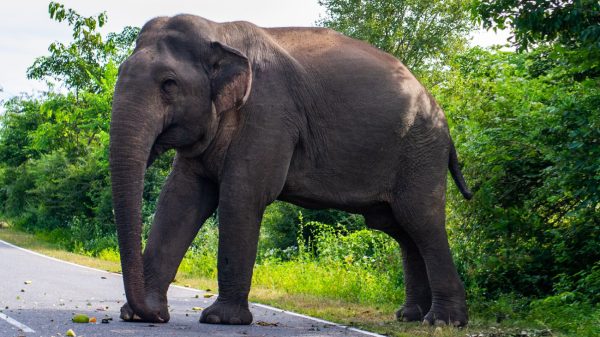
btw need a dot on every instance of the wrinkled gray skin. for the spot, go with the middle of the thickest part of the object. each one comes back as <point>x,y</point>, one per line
<point>304,115</point>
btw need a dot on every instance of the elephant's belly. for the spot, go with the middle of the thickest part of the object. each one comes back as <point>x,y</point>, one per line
<point>328,191</point>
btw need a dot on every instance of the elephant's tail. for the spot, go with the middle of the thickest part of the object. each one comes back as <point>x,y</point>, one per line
<point>457,173</point>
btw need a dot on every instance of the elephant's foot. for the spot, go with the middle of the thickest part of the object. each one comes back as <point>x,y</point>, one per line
<point>412,313</point>
<point>158,302</point>
<point>222,312</point>
<point>450,314</point>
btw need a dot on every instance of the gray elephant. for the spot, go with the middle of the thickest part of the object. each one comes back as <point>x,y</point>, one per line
<point>304,115</point>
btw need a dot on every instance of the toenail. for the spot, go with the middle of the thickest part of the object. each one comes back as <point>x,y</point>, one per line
<point>213,319</point>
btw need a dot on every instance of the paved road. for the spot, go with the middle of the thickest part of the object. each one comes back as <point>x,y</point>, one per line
<point>59,289</point>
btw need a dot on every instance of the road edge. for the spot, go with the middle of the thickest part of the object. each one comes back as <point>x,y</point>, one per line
<point>264,306</point>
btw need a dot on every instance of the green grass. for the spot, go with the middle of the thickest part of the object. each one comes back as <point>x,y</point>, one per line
<point>349,294</point>
<point>349,283</point>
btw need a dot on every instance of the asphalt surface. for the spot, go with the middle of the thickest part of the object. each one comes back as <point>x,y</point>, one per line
<point>39,295</point>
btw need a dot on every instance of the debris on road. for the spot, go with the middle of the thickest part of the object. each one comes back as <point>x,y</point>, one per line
<point>263,323</point>
<point>208,295</point>
<point>27,282</point>
<point>70,333</point>
<point>197,308</point>
<point>80,318</point>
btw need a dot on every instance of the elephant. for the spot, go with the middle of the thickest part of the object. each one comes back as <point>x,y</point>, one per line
<point>302,115</point>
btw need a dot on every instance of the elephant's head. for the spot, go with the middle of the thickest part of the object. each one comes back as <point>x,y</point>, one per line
<point>170,93</point>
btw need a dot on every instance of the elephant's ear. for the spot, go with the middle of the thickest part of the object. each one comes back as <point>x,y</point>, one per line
<point>230,77</point>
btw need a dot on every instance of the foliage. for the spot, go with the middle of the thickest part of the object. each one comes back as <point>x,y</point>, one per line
<point>571,22</point>
<point>201,258</point>
<point>419,33</point>
<point>54,148</point>
<point>536,117</point>
<point>360,266</point>
<point>565,312</point>
<point>530,141</point>
<point>19,119</point>
<point>81,64</point>
<point>282,221</point>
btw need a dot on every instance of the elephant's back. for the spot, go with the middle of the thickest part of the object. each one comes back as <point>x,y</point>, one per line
<point>311,45</point>
<point>352,73</point>
<point>364,89</point>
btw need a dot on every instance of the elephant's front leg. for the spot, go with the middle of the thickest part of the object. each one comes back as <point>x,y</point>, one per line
<point>239,223</point>
<point>185,202</point>
<point>250,182</point>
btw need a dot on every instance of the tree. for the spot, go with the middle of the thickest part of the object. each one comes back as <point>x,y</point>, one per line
<point>20,119</point>
<point>54,148</point>
<point>573,23</point>
<point>81,64</point>
<point>529,142</point>
<point>418,32</point>
<point>572,27</point>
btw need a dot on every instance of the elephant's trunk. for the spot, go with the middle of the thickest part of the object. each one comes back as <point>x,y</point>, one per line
<point>131,137</point>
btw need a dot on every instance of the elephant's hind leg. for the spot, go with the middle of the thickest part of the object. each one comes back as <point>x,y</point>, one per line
<point>185,202</point>
<point>422,216</point>
<point>416,284</point>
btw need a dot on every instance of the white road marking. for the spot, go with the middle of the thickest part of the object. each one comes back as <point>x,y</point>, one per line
<point>16,323</point>
<point>291,313</point>
<point>57,260</point>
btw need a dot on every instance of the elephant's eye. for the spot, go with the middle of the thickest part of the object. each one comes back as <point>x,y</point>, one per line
<point>169,86</point>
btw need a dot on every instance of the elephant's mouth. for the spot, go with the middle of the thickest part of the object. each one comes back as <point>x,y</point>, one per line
<point>165,141</point>
<point>172,138</point>
<point>194,149</point>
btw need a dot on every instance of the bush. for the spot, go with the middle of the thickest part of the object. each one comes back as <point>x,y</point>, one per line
<point>361,266</point>
<point>565,313</point>
<point>201,258</point>
<point>282,221</point>
<point>528,141</point>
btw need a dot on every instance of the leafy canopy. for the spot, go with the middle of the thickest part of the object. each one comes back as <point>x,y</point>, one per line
<point>418,32</point>
<point>570,22</point>
<point>80,64</point>
<point>528,134</point>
